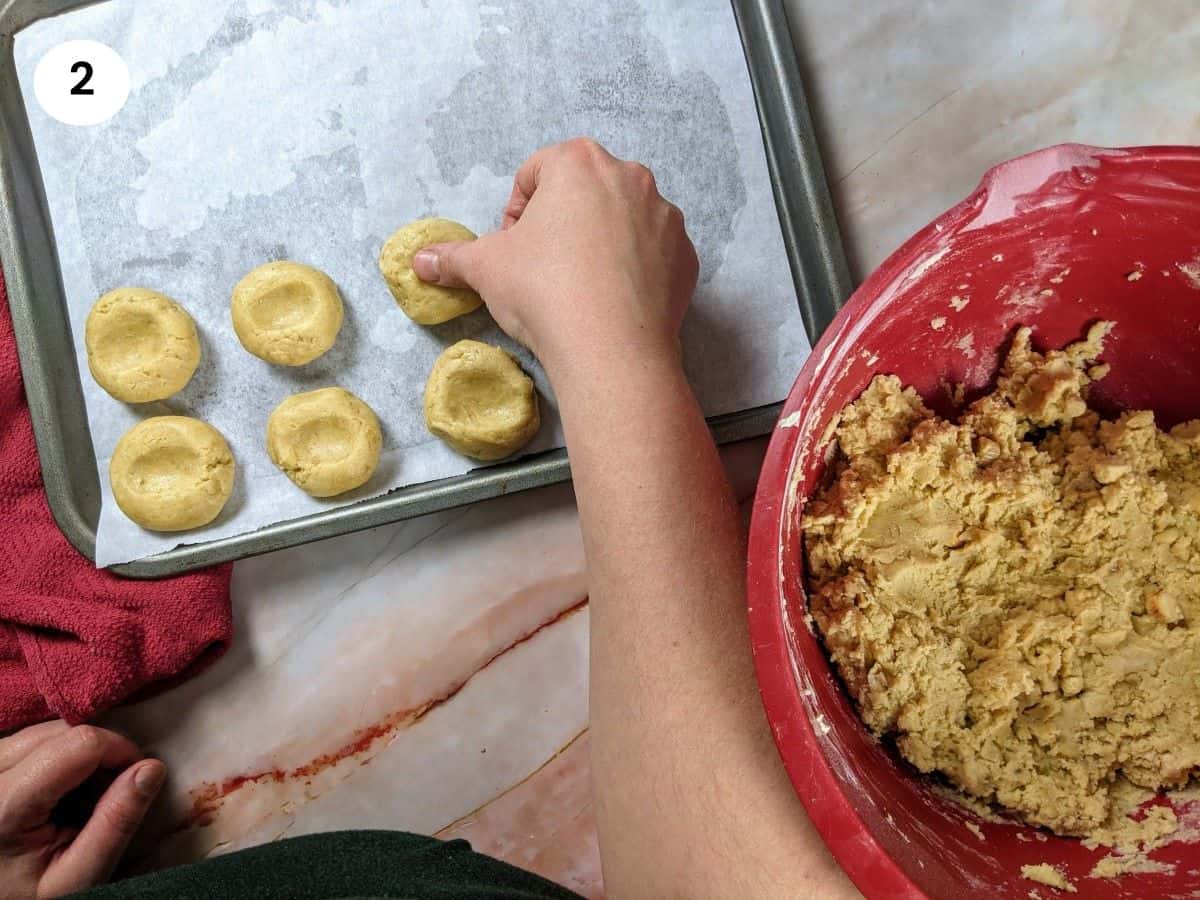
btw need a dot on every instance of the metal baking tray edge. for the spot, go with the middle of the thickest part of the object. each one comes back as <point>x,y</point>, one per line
<point>47,354</point>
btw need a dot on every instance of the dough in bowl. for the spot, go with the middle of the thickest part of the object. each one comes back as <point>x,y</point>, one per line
<point>141,345</point>
<point>425,304</point>
<point>327,441</point>
<point>479,401</point>
<point>287,313</point>
<point>1015,595</point>
<point>171,473</point>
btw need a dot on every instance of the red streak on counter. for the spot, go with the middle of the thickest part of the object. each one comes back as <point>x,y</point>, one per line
<point>210,796</point>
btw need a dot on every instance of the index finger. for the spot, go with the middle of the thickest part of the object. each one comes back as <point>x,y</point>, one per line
<point>525,183</point>
<point>529,175</point>
<point>54,768</point>
<point>16,747</point>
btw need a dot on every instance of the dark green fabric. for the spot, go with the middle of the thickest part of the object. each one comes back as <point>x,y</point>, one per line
<point>342,864</point>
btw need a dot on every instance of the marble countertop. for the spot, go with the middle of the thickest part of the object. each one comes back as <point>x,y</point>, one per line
<point>432,675</point>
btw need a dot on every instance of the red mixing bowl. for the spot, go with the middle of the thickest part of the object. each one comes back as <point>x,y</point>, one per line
<point>1055,240</point>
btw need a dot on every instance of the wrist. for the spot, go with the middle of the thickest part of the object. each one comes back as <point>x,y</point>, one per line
<point>608,357</point>
<point>606,390</point>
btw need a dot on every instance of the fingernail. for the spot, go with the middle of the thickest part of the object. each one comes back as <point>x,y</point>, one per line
<point>148,779</point>
<point>426,264</point>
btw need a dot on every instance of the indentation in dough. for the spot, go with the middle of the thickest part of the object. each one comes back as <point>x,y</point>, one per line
<point>129,341</point>
<point>325,439</point>
<point>287,305</point>
<point>163,469</point>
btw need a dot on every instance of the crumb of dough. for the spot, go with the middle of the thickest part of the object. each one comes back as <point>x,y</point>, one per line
<point>937,323</point>
<point>1044,873</point>
<point>1016,596</point>
<point>1116,865</point>
<point>1186,802</point>
<point>1122,831</point>
<point>975,830</point>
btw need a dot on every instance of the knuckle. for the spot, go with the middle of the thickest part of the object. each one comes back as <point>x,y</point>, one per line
<point>584,144</point>
<point>515,207</point>
<point>585,149</point>
<point>87,738</point>
<point>467,262</point>
<point>642,175</point>
<point>466,254</point>
<point>123,818</point>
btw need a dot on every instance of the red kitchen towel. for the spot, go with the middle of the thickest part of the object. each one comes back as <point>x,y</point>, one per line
<point>76,640</point>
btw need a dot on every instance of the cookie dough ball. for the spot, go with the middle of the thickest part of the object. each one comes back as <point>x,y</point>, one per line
<point>287,313</point>
<point>479,401</point>
<point>171,473</point>
<point>326,441</point>
<point>425,304</point>
<point>141,345</point>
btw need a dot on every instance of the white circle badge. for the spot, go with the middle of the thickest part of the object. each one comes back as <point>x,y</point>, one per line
<point>81,83</point>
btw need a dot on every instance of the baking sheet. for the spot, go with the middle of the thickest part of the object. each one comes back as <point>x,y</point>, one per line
<point>311,131</point>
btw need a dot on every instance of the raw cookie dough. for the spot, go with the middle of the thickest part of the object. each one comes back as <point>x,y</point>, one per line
<point>171,473</point>
<point>1044,873</point>
<point>479,401</point>
<point>1017,597</point>
<point>287,313</point>
<point>141,345</point>
<point>327,441</point>
<point>425,304</point>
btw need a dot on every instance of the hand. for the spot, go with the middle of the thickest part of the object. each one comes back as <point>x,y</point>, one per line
<point>590,257</point>
<point>39,766</point>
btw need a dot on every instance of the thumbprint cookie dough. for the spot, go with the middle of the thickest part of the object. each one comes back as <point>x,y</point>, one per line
<point>425,304</point>
<point>326,441</point>
<point>1015,597</point>
<point>171,473</point>
<point>141,345</point>
<point>479,401</point>
<point>287,313</point>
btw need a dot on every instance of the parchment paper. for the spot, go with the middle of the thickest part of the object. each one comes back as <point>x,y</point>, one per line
<point>312,129</point>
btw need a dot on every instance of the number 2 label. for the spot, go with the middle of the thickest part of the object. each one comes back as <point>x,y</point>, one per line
<point>81,89</point>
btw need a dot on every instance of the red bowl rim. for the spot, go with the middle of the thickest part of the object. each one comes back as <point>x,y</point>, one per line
<point>861,856</point>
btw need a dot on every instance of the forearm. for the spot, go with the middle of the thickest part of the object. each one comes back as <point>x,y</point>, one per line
<point>690,796</point>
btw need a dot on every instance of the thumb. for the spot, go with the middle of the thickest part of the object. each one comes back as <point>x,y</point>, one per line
<point>457,264</point>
